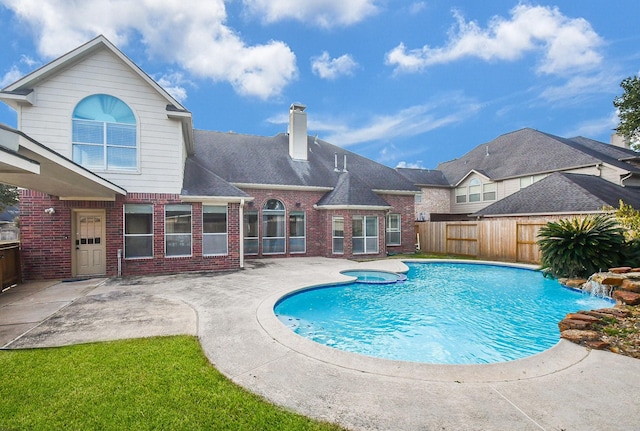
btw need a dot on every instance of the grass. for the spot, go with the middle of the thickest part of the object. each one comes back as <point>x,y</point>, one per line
<point>162,383</point>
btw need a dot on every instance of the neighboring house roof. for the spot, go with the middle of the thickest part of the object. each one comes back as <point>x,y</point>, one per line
<point>523,152</point>
<point>564,193</point>
<point>424,177</point>
<point>259,161</point>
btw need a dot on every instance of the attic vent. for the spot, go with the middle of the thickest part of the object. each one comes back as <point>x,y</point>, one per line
<point>335,162</point>
<point>344,164</point>
<point>487,150</point>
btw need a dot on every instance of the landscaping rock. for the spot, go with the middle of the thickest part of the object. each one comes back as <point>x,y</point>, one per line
<point>568,324</point>
<point>608,278</point>
<point>620,270</point>
<point>574,282</point>
<point>631,285</point>
<point>625,297</point>
<point>579,336</point>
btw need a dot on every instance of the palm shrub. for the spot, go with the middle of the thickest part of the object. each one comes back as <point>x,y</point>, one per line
<point>579,247</point>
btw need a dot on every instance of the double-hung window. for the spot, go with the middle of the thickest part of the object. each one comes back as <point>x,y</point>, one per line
<point>337,235</point>
<point>297,236</point>
<point>104,134</point>
<point>365,234</point>
<point>475,189</point>
<point>177,230</point>
<point>214,230</point>
<point>393,229</point>
<point>138,231</point>
<point>489,191</point>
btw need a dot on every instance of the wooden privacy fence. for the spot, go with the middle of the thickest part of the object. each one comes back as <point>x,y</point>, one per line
<point>9,264</point>
<point>500,239</point>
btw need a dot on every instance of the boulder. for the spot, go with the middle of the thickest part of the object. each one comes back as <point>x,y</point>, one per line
<point>574,282</point>
<point>631,285</point>
<point>608,278</point>
<point>579,336</point>
<point>568,324</point>
<point>625,297</point>
<point>620,269</point>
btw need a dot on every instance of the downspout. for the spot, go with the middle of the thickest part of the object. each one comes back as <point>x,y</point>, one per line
<point>241,231</point>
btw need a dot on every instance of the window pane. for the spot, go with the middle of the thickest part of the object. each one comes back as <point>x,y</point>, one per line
<point>214,244</point>
<point>251,246</point>
<point>296,224</point>
<point>273,225</point>
<point>489,196</point>
<point>88,132</point>
<point>272,245</point>
<point>123,135</point>
<point>121,158</point>
<point>273,205</point>
<point>358,226</point>
<point>138,224</point>
<point>372,245</point>
<point>358,245</point>
<point>138,246</point>
<point>251,225</point>
<point>338,226</point>
<point>393,238</point>
<point>372,226</point>
<point>177,219</point>
<point>178,245</point>
<point>297,245</point>
<point>89,156</point>
<point>338,245</point>
<point>214,219</point>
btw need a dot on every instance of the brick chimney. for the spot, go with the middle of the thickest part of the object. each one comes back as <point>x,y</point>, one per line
<point>298,132</point>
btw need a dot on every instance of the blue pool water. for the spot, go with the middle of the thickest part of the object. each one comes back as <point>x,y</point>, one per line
<point>447,313</point>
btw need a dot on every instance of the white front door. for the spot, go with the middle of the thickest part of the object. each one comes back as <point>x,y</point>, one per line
<point>90,247</point>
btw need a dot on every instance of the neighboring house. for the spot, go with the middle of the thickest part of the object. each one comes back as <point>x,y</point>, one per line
<point>528,173</point>
<point>117,181</point>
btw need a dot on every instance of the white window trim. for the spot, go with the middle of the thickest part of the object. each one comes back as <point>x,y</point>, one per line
<point>393,230</point>
<point>365,237</point>
<point>125,235</point>
<point>334,237</point>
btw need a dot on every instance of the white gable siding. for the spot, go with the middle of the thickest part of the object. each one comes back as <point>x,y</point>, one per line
<point>161,147</point>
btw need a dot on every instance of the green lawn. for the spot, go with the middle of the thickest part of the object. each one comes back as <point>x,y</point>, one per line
<point>163,383</point>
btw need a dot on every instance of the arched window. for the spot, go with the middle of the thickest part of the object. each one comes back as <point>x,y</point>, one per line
<point>273,225</point>
<point>104,134</point>
<point>475,188</point>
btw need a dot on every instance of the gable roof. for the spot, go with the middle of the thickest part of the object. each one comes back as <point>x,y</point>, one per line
<point>351,192</point>
<point>523,152</point>
<point>564,193</point>
<point>21,91</point>
<point>259,161</point>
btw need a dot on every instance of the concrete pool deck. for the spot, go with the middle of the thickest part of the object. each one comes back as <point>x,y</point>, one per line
<point>565,388</point>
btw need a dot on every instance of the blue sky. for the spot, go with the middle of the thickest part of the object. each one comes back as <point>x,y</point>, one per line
<point>403,83</point>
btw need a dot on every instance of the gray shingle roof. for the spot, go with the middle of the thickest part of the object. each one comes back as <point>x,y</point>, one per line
<point>564,193</point>
<point>350,191</point>
<point>523,152</point>
<point>424,177</point>
<point>246,159</point>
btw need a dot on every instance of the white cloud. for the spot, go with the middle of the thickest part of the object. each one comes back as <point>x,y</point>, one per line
<point>324,13</point>
<point>189,33</point>
<point>580,86</point>
<point>15,72</point>
<point>174,84</point>
<point>597,127</point>
<point>417,7</point>
<point>331,68</point>
<point>567,44</point>
<point>10,77</point>
<point>407,122</point>
<point>415,165</point>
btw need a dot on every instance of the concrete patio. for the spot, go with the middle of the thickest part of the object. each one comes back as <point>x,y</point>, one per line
<point>565,388</point>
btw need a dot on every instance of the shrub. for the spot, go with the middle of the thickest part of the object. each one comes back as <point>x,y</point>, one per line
<point>579,247</point>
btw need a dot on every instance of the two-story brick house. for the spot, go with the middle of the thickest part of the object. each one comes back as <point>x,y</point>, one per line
<point>116,181</point>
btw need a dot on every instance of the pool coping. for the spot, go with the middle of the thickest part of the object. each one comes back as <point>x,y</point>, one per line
<point>561,356</point>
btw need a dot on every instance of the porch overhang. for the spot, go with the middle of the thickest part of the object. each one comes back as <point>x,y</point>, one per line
<point>28,164</point>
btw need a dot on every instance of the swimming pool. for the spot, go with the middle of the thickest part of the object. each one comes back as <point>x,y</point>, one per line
<point>447,313</point>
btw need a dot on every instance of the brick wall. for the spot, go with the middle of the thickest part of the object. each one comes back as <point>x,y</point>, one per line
<point>47,239</point>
